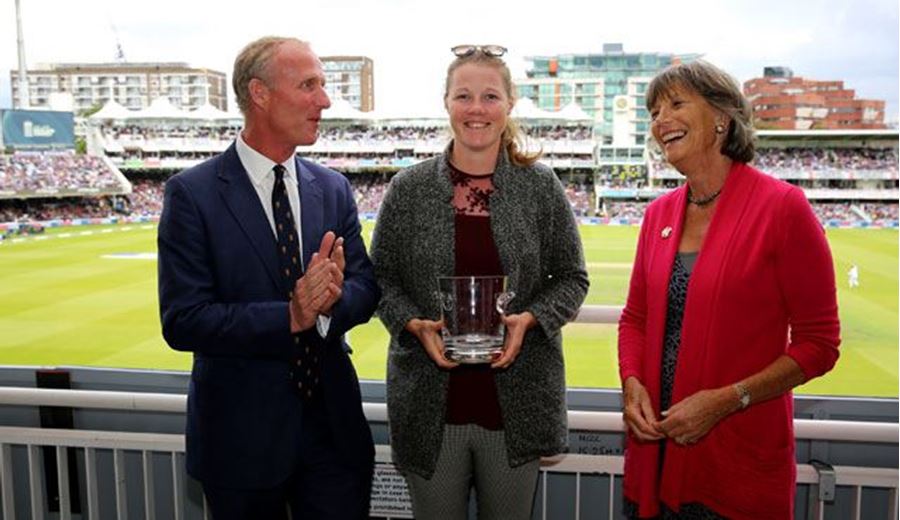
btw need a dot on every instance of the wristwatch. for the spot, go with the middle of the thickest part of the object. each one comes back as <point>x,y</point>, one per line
<point>743,394</point>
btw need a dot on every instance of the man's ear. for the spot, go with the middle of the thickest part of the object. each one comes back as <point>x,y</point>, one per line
<point>259,92</point>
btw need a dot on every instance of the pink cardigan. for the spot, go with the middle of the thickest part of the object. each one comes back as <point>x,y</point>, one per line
<point>763,285</point>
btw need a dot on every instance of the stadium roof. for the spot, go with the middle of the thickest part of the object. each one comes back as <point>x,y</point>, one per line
<point>526,109</point>
<point>341,109</point>
<point>160,108</point>
<point>573,112</point>
<point>207,112</point>
<point>112,110</point>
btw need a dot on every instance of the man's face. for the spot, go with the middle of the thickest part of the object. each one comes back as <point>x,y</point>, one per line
<point>296,94</point>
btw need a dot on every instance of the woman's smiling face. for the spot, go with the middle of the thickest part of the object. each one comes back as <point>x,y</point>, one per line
<point>479,106</point>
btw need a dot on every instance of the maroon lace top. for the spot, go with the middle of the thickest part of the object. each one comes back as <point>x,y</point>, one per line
<point>472,393</point>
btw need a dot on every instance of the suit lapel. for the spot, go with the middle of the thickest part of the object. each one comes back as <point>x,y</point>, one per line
<point>243,203</point>
<point>312,218</point>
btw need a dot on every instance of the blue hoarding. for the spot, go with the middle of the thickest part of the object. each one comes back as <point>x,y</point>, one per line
<point>38,129</point>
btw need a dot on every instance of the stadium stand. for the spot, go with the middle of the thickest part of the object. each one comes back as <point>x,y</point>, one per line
<point>37,174</point>
<point>851,177</point>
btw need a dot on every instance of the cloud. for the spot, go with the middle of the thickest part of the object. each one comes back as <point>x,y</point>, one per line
<point>409,40</point>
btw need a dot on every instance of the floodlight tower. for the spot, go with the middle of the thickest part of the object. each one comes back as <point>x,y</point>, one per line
<point>20,44</point>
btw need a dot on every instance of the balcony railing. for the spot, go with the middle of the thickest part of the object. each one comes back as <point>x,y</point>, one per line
<point>150,445</point>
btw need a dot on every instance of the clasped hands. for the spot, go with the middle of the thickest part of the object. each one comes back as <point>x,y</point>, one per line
<point>687,421</point>
<point>320,286</point>
<point>428,332</point>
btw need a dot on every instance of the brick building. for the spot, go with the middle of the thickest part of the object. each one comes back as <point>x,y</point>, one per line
<point>782,101</point>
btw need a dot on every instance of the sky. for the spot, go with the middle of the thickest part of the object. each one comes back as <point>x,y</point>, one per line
<point>409,40</point>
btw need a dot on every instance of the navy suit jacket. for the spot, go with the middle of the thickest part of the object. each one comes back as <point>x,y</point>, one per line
<point>220,298</point>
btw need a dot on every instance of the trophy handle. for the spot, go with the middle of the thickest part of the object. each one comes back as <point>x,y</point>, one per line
<point>503,301</point>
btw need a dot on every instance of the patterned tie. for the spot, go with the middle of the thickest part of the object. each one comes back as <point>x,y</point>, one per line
<point>306,373</point>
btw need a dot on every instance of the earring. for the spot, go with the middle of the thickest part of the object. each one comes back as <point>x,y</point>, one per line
<point>720,129</point>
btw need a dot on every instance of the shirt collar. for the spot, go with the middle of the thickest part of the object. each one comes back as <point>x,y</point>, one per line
<point>258,165</point>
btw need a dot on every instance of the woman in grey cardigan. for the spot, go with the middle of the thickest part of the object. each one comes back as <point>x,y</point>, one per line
<point>483,207</point>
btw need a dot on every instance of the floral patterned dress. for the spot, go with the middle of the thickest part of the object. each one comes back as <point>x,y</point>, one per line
<point>677,296</point>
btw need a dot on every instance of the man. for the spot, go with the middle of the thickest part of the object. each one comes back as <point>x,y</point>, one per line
<point>275,416</point>
<point>853,277</point>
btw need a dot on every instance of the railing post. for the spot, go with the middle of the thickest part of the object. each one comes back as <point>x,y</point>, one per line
<point>36,483</point>
<point>823,491</point>
<point>149,487</point>
<point>121,496</point>
<point>93,495</point>
<point>177,486</point>
<point>62,479</point>
<point>6,482</point>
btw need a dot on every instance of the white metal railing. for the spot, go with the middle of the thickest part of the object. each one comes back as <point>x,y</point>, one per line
<point>148,443</point>
<point>598,314</point>
<point>89,441</point>
<point>804,429</point>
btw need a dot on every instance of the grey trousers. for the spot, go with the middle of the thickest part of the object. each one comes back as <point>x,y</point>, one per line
<point>471,455</point>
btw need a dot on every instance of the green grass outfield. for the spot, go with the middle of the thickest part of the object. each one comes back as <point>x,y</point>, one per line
<point>63,301</point>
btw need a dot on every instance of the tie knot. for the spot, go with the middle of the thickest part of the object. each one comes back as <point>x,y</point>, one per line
<point>279,172</point>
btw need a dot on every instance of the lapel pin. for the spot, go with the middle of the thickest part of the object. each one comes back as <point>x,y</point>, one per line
<point>666,232</point>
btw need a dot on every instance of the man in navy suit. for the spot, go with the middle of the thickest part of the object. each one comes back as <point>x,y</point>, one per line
<point>258,440</point>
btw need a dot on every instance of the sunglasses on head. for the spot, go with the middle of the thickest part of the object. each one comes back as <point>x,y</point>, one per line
<point>495,51</point>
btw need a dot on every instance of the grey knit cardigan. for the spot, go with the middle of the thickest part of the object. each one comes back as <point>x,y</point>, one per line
<point>540,250</point>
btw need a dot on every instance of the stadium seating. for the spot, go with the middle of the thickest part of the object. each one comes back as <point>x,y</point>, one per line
<point>850,185</point>
<point>55,174</point>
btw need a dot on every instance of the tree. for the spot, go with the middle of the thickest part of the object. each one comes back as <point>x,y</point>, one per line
<point>88,112</point>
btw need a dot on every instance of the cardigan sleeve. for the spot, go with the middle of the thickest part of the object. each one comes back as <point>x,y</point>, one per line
<point>566,283</point>
<point>633,321</point>
<point>389,258</point>
<point>806,278</point>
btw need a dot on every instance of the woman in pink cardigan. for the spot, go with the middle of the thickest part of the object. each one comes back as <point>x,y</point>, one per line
<point>731,305</point>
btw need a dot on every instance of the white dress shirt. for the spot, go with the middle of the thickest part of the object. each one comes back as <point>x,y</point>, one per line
<point>260,170</point>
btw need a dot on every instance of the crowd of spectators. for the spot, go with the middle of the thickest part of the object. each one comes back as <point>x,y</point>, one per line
<point>369,196</point>
<point>559,133</point>
<point>22,172</point>
<point>43,209</point>
<point>623,210</point>
<point>371,134</point>
<point>52,172</point>
<point>147,197</point>
<point>840,211</point>
<point>778,160</point>
<point>328,134</point>
<point>856,212</point>
<point>148,132</point>
<point>879,211</point>
<point>581,197</point>
<point>793,163</point>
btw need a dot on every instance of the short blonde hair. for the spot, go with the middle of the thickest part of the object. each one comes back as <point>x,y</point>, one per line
<point>253,62</point>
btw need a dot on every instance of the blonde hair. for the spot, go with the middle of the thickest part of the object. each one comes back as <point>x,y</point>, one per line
<point>512,139</point>
<point>253,62</point>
